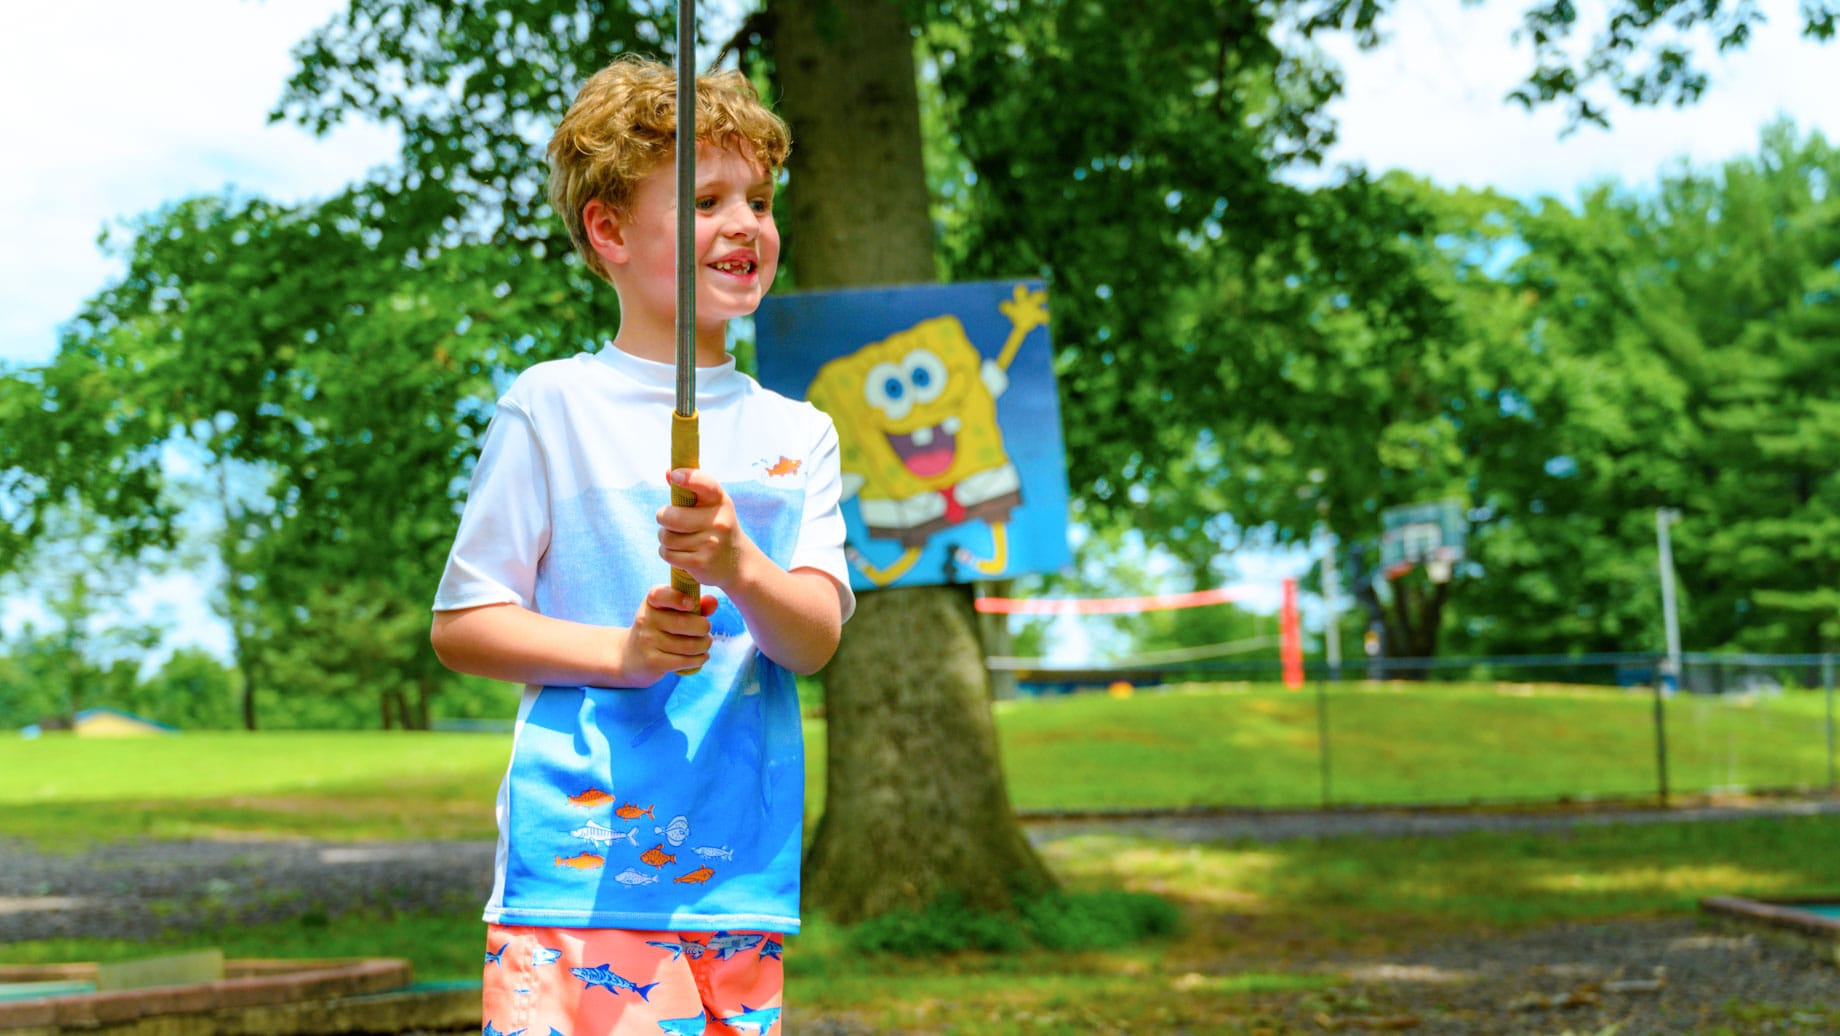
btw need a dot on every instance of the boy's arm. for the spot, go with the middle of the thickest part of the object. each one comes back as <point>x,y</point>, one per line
<point>512,643</point>
<point>796,617</point>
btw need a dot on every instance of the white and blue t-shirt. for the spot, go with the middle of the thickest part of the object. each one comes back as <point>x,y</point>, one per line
<point>677,806</point>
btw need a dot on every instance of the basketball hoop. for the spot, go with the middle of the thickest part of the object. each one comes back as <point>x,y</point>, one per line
<point>1432,534</point>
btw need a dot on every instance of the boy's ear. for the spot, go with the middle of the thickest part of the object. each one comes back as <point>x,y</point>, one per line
<point>606,232</point>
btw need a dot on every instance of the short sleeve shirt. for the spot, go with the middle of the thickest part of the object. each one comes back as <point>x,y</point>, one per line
<point>677,806</point>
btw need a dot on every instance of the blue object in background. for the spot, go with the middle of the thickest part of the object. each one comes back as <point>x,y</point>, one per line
<point>948,418</point>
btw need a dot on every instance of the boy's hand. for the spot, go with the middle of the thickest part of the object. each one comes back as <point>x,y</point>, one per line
<point>669,633</point>
<point>704,540</point>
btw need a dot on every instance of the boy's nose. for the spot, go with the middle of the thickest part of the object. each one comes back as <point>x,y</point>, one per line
<point>744,225</point>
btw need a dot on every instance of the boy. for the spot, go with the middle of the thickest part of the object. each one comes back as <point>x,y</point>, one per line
<point>650,822</point>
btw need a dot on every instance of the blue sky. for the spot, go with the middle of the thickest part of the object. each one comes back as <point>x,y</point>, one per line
<point>115,107</point>
<point>170,99</point>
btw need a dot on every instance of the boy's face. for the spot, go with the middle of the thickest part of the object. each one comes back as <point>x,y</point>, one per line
<point>737,243</point>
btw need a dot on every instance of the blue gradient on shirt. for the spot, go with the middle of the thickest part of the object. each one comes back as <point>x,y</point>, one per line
<point>722,748</point>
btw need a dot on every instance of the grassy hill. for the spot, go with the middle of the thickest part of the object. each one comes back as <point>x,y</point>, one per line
<point>1191,746</point>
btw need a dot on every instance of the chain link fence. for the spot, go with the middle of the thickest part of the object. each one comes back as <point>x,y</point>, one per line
<point>1502,730</point>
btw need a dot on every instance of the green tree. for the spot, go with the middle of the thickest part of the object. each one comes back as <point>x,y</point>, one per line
<point>1208,310</point>
<point>294,351</point>
<point>193,690</point>
<point>1682,336</point>
<point>88,653</point>
<point>31,680</point>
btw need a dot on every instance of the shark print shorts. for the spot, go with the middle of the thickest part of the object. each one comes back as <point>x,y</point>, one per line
<point>601,981</point>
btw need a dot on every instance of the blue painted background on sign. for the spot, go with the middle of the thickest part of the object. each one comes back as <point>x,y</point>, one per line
<point>945,404</point>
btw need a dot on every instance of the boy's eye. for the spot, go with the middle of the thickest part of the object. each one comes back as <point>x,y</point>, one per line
<point>761,205</point>
<point>705,204</point>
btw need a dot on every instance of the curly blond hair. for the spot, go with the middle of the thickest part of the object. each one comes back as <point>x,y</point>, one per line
<point>624,123</point>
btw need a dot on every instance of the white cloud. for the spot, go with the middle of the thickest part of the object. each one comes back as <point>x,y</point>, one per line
<point>1432,100</point>
<point>113,108</point>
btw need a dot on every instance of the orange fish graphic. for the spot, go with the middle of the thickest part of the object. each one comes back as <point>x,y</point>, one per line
<point>584,862</point>
<point>591,797</point>
<point>656,856</point>
<point>783,466</point>
<point>695,877</point>
<point>630,811</point>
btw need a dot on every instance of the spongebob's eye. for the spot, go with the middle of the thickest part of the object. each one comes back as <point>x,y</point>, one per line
<point>887,390</point>
<point>926,373</point>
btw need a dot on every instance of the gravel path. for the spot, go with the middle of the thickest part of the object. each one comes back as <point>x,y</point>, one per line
<point>1283,825</point>
<point>1629,977</point>
<point>136,890</point>
<point>1632,978</point>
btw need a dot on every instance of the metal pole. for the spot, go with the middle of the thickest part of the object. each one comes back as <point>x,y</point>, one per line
<point>1322,739</point>
<point>1332,634</point>
<point>1827,684</point>
<point>1661,769</point>
<point>686,208</point>
<point>1670,669</point>
<point>686,440</point>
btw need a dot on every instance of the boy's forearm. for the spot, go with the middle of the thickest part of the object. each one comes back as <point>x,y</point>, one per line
<point>507,642</point>
<point>795,617</point>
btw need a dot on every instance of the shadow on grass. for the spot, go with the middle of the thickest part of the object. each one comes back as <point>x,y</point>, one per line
<point>1258,923</point>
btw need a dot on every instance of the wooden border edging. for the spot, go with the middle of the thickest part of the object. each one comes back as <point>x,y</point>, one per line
<point>254,984</point>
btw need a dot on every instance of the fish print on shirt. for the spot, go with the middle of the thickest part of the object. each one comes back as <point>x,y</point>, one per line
<point>583,862</point>
<point>544,955</point>
<point>695,877</point>
<point>591,797</point>
<point>783,467</point>
<point>496,956</point>
<point>711,852</point>
<point>603,836</point>
<point>630,876</point>
<point>772,948</point>
<point>631,811</point>
<point>678,830</point>
<point>656,856</point>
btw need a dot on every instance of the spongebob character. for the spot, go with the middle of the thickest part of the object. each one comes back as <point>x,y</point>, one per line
<point>917,419</point>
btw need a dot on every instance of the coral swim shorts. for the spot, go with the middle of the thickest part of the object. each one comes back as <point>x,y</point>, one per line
<point>600,981</point>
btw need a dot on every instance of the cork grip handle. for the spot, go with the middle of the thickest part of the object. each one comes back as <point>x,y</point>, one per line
<point>685,451</point>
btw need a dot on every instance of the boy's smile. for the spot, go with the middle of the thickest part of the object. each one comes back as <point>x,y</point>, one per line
<point>737,246</point>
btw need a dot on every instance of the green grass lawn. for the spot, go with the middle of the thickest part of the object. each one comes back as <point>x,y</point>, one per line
<point>1248,908</point>
<point>1196,746</point>
<point>1250,911</point>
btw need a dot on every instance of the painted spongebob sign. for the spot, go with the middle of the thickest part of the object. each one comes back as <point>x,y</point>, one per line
<point>948,420</point>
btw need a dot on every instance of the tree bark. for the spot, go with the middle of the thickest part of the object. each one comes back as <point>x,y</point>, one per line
<point>915,801</point>
<point>915,805</point>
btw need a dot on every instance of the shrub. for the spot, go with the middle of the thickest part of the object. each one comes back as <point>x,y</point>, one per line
<point>1062,921</point>
<point>1097,920</point>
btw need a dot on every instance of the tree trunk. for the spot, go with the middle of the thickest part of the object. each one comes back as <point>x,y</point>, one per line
<point>249,672</point>
<point>424,690</point>
<point>915,801</point>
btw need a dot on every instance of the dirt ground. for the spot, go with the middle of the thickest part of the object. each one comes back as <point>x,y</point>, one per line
<point>1655,976</point>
